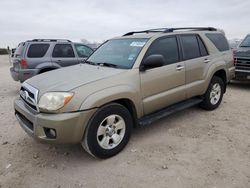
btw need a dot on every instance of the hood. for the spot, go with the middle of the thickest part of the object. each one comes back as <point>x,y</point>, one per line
<point>68,78</point>
<point>243,52</point>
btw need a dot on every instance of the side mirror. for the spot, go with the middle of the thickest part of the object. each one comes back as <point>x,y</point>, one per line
<point>152,61</point>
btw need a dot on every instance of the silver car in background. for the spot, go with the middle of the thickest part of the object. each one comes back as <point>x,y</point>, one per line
<point>41,55</point>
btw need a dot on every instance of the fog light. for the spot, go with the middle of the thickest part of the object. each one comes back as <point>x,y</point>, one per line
<point>50,133</point>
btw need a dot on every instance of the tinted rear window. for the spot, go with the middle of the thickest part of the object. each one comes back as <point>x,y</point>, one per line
<point>63,50</point>
<point>219,41</point>
<point>190,46</point>
<point>203,48</point>
<point>37,50</point>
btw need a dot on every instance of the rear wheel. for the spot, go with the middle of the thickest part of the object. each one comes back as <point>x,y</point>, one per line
<point>108,131</point>
<point>214,94</point>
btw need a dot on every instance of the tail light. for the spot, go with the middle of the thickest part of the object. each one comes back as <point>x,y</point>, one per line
<point>24,64</point>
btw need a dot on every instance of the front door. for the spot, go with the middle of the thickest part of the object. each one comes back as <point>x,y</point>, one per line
<point>163,86</point>
<point>63,55</point>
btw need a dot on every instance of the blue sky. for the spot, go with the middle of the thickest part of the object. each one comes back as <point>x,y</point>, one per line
<point>95,20</point>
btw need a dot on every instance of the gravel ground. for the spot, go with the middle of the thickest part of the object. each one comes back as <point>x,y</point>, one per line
<point>193,148</point>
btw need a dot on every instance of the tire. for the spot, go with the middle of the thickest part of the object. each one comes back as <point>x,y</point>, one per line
<point>108,131</point>
<point>214,94</point>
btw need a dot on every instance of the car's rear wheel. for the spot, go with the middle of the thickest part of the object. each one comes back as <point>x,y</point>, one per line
<point>108,131</point>
<point>214,94</point>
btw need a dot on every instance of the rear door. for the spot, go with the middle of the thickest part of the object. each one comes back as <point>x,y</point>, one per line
<point>196,59</point>
<point>163,86</point>
<point>63,55</point>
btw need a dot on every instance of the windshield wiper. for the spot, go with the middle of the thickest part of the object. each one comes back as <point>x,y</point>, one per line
<point>244,46</point>
<point>107,64</point>
<point>90,62</point>
<point>104,64</point>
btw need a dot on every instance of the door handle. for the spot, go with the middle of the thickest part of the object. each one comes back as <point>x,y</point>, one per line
<point>179,67</point>
<point>58,61</point>
<point>206,60</point>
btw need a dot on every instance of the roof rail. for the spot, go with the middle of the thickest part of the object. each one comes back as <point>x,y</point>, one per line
<point>146,31</point>
<point>50,40</point>
<point>191,28</point>
<point>168,30</point>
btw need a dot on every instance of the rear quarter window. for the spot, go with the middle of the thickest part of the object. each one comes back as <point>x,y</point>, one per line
<point>219,40</point>
<point>37,50</point>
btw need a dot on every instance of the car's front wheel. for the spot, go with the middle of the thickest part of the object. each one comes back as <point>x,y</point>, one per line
<point>108,131</point>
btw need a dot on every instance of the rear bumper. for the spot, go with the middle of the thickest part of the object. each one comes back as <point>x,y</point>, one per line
<point>14,75</point>
<point>22,75</point>
<point>69,127</point>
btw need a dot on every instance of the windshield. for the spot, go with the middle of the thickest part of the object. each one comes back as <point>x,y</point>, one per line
<point>246,42</point>
<point>120,53</point>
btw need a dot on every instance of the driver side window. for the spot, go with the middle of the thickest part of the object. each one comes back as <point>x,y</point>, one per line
<point>167,47</point>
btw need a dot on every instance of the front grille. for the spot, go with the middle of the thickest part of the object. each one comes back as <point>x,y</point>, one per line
<point>242,64</point>
<point>29,95</point>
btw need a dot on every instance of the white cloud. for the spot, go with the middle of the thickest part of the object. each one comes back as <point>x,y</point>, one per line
<point>99,20</point>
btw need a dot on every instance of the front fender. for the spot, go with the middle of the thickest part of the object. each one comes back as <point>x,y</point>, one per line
<point>110,94</point>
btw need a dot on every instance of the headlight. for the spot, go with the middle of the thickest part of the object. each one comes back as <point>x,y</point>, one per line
<point>54,100</point>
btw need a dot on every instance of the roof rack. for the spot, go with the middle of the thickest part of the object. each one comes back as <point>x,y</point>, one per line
<point>50,40</point>
<point>169,30</point>
<point>146,31</point>
<point>191,28</point>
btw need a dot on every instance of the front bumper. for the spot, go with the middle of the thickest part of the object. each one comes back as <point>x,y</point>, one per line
<point>69,127</point>
<point>242,74</point>
<point>22,75</point>
<point>231,74</point>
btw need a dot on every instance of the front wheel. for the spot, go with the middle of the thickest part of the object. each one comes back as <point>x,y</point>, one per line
<point>214,94</point>
<point>108,131</point>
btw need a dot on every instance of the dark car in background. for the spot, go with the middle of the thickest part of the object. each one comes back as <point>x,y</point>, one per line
<point>242,60</point>
<point>41,55</point>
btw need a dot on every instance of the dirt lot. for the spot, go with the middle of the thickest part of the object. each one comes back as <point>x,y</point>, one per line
<point>193,148</point>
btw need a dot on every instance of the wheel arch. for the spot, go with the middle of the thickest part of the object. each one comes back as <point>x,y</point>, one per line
<point>124,95</point>
<point>216,70</point>
<point>222,74</point>
<point>127,103</point>
<point>46,66</point>
<point>46,69</point>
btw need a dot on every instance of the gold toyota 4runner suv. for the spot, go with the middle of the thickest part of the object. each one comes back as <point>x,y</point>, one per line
<point>128,81</point>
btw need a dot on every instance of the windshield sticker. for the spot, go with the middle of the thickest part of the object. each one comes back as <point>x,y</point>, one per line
<point>131,57</point>
<point>137,44</point>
